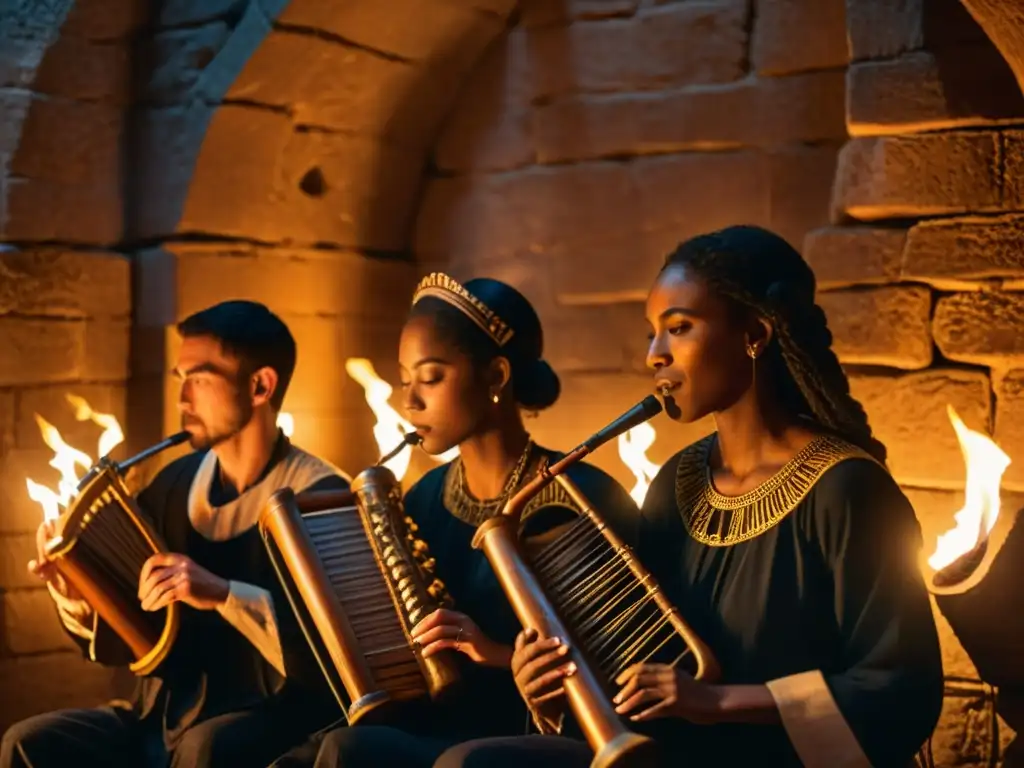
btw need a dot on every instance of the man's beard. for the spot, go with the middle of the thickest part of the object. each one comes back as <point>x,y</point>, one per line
<point>211,438</point>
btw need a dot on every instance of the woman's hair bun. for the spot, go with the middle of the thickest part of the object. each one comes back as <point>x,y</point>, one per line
<point>536,385</point>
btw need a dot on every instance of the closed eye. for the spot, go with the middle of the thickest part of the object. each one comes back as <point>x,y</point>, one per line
<point>681,328</point>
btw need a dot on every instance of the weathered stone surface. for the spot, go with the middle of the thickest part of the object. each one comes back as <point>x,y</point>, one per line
<point>1008,433</point>
<point>489,127</point>
<point>948,251</point>
<point>36,351</point>
<point>540,13</point>
<point>800,185</point>
<point>985,327</point>
<point>882,29</point>
<point>881,326</point>
<point>294,282</point>
<point>49,281</point>
<point>179,57</point>
<point>256,178</point>
<point>643,53</point>
<point>1013,170</point>
<point>602,337</point>
<point>52,681</point>
<point>1002,23</point>
<point>903,408</point>
<point>964,734</point>
<point>15,552</point>
<point>31,624</point>
<point>590,401</point>
<point>914,176</point>
<point>105,19</point>
<point>71,67</point>
<point>928,91</point>
<point>804,107</point>
<point>18,513</point>
<point>797,35</point>
<point>37,209</point>
<point>398,28</point>
<point>842,256</point>
<point>68,141</point>
<point>105,355</point>
<point>54,404</point>
<point>8,418</point>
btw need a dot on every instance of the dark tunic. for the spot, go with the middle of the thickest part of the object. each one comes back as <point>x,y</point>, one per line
<point>491,704</point>
<point>823,577</point>
<point>212,669</point>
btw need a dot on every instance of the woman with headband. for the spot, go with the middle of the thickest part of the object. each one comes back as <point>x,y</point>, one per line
<point>471,362</point>
<point>782,538</point>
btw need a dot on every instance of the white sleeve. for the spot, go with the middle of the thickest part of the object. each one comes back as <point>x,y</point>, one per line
<point>250,610</point>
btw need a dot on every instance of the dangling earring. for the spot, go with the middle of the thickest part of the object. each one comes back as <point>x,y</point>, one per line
<point>495,398</point>
<point>752,352</point>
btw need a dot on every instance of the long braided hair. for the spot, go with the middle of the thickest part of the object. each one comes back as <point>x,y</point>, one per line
<point>762,272</point>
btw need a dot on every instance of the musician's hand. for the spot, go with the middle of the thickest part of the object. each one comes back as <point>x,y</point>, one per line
<point>450,629</point>
<point>169,578</point>
<point>45,569</point>
<point>539,666</point>
<point>651,691</point>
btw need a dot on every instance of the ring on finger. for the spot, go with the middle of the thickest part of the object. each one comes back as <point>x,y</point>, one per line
<point>458,639</point>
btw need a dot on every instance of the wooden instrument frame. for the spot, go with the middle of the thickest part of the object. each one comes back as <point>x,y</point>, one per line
<point>106,486</point>
<point>587,695</point>
<point>280,521</point>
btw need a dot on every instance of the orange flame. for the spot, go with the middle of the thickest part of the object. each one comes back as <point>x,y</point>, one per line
<point>986,462</point>
<point>66,458</point>
<point>633,446</point>
<point>390,427</point>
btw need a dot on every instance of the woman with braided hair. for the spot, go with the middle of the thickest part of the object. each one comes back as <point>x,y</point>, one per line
<point>781,537</point>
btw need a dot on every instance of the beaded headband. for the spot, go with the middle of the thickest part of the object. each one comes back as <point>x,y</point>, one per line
<point>446,288</point>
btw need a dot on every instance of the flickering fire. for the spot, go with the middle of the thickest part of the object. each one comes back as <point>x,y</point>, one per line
<point>67,459</point>
<point>633,446</point>
<point>986,462</point>
<point>390,427</point>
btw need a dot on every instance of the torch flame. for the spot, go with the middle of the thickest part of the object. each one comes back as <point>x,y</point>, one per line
<point>633,445</point>
<point>390,428</point>
<point>986,462</point>
<point>286,422</point>
<point>67,458</point>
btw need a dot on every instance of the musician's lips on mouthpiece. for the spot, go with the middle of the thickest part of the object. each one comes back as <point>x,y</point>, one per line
<point>666,387</point>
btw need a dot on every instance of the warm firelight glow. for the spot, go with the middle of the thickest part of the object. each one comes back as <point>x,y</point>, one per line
<point>390,427</point>
<point>286,422</point>
<point>986,462</point>
<point>633,446</point>
<point>66,459</point>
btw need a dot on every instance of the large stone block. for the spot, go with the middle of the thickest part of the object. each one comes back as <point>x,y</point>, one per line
<point>881,326</point>
<point>71,67</point>
<point>31,624</point>
<point>1008,433</point>
<point>489,127</point>
<point>53,681</point>
<point>56,406</point>
<point>533,211</point>
<point>105,354</point>
<point>8,418</point>
<point>799,35</point>
<point>908,414</point>
<point>843,256</point>
<point>292,282</point>
<point>542,13</point>
<point>947,252</point>
<point>590,401</point>
<point>37,351</point>
<point>800,180</point>
<point>68,142</point>
<point>915,176</point>
<point>882,29</point>
<point>645,52</point>
<point>15,552</point>
<point>985,327</point>
<point>591,338</point>
<point>179,58</point>
<point>1013,170</point>
<point>932,91</point>
<point>256,178</point>
<point>50,281</point>
<point>805,107</point>
<point>37,209</point>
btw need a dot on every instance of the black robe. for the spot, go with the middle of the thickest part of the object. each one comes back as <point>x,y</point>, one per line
<point>832,585</point>
<point>212,669</point>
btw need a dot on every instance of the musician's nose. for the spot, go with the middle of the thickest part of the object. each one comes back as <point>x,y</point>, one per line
<point>658,355</point>
<point>185,396</point>
<point>411,400</point>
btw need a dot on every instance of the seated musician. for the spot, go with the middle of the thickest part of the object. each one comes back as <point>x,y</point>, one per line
<point>782,538</point>
<point>470,361</point>
<point>239,686</point>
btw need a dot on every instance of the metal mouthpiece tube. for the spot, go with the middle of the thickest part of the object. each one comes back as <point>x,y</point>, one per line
<point>127,464</point>
<point>411,438</point>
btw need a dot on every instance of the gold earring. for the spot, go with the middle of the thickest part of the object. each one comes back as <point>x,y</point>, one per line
<point>752,352</point>
<point>495,398</point>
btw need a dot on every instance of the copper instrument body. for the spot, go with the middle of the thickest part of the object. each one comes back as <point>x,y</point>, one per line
<point>588,693</point>
<point>358,581</point>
